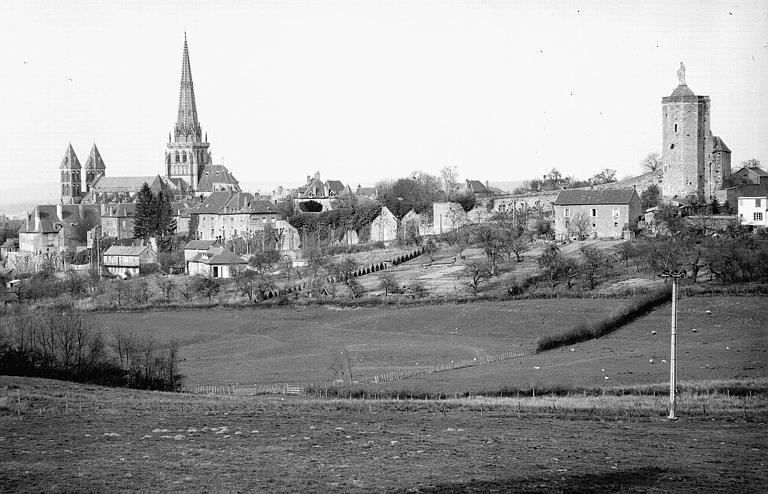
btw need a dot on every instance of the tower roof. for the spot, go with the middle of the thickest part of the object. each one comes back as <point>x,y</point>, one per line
<point>187,126</point>
<point>682,90</point>
<point>70,160</point>
<point>94,161</point>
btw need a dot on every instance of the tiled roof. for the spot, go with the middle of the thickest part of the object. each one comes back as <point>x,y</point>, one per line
<point>593,196</point>
<point>70,159</point>
<point>335,186</point>
<point>226,257</point>
<point>476,186</point>
<point>214,174</point>
<point>199,244</point>
<point>213,204</point>
<point>125,250</point>
<point>95,161</point>
<point>127,184</point>
<point>759,171</point>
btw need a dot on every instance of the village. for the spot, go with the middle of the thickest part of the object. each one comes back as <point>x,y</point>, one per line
<point>438,330</point>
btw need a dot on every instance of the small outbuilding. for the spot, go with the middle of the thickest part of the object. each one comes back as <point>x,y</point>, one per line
<point>127,260</point>
<point>216,262</point>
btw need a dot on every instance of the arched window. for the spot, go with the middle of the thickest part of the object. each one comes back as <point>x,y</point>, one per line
<point>184,158</point>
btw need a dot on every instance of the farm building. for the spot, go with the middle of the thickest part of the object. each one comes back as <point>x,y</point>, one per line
<point>216,262</point>
<point>195,247</point>
<point>127,260</point>
<point>596,213</point>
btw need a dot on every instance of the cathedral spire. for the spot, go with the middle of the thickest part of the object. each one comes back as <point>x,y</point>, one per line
<point>187,127</point>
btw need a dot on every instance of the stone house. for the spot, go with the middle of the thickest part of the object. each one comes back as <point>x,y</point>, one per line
<point>384,227</point>
<point>753,211</point>
<point>414,224</point>
<point>117,220</point>
<point>195,247</point>
<point>225,215</point>
<point>127,260</point>
<point>477,189</point>
<point>41,227</point>
<point>749,175</point>
<point>216,262</point>
<point>596,213</point>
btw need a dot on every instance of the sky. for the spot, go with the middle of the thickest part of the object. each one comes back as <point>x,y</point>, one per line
<point>367,90</point>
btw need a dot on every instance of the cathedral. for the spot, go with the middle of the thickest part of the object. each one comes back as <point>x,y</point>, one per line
<point>188,170</point>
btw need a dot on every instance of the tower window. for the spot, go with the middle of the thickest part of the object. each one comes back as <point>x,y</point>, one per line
<point>594,212</point>
<point>675,127</point>
<point>671,146</point>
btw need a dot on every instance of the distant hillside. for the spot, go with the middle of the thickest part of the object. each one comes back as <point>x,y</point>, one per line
<point>508,185</point>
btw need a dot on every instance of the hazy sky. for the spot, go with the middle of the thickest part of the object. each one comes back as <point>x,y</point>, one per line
<point>366,90</point>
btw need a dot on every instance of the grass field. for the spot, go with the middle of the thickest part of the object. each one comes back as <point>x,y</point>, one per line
<point>322,343</point>
<point>63,437</point>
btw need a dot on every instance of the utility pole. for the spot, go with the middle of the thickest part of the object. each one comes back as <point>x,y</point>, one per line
<point>675,275</point>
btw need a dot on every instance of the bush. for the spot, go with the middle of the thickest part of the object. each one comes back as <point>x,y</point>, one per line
<point>590,330</point>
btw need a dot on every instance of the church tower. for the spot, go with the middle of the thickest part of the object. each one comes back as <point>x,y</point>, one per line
<point>94,168</point>
<point>187,153</point>
<point>71,190</point>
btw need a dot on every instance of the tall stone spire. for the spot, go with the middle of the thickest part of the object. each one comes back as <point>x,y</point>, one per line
<point>187,127</point>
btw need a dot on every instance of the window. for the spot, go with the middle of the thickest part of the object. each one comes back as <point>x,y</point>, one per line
<point>615,224</point>
<point>594,212</point>
<point>212,232</point>
<point>594,225</point>
<point>567,213</point>
<point>757,216</point>
<point>757,203</point>
<point>671,146</point>
<point>615,213</point>
<point>675,127</point>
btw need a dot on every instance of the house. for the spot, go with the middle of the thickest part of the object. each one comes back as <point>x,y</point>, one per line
<point>216,178</point>
<point>117,219</point>
<point>477,189</point>
<point>127,260</point>
<point>195,247</point>
<point>384,227</point>
<point>10,245</point>
<point>597,213</point>
<point>749,175</point>
<point>216,262</point>
<point>753,211</point>
<point>40,230</point>
<point>226,215</point>
<point>368,193</point>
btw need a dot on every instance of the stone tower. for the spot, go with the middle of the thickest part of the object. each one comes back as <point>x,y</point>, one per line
<point>695,163</point>
<point>187,152</point>
<point>684,144</point>
<point>94,168</point>
<point>71,189</point>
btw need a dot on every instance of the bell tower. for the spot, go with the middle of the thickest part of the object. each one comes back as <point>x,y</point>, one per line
<point>187,153</point>
<point>71,185</point>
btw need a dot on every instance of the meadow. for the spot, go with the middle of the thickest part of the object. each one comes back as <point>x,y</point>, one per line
<point>65,437</point>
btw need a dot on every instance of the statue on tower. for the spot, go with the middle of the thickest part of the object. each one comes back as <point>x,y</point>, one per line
<point>681,74</point>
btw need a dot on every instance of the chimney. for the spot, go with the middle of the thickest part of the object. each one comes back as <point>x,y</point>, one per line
<point>308,178</point>
<point>60,211</point>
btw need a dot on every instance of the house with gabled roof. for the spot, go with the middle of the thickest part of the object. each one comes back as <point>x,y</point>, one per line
<point>40,230</point>
<point>605,213</point>
<point>216,178</point>
<point>226,215</point>
<point>124,261</point>
<point>216,262</point>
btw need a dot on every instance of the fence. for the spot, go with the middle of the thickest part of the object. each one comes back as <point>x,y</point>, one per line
<point>301,389</point>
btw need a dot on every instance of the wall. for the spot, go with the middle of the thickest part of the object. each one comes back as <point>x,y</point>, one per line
<point>685,131</point>
<point>384,226</point>
<point>604,224</point>
<point>748,206</point>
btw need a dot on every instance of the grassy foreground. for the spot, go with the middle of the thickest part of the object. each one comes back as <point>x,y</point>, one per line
<point>57,436</point>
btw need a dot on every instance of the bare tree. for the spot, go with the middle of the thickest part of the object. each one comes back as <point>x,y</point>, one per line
<point>652,162</point>
<point>449,177</point>
<point>389,283</point>
<point>476,273</point>
<point>750,163</point>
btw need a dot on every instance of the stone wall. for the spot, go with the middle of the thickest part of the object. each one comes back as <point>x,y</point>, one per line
<point>384,227</point>
<point>685,150</point>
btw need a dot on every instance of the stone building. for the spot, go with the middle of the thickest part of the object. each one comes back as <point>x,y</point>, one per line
<point>596,213</point>
<point>384,227</point>
<point>127,260</point>
<point>695,162</point>
<point>226,215</point>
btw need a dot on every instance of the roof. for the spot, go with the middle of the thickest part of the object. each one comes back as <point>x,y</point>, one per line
<point>10,243</point>
<point>214,203</point>
<point>226,257</point>
<point>587,197</point>
<point>70,159</point>
<point>682,90</point>
<point>94,160</point>
<point>335,186</point>
<point>199,244</point>
<point>127,184</point>
<point>214,174</point>
<point>476,186</point>
<point>126,250</point>
<point>758,171</point>
<point>719,145</point>
<point>45,217</point>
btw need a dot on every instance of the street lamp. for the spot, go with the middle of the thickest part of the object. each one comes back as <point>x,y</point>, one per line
<point>675,274</point>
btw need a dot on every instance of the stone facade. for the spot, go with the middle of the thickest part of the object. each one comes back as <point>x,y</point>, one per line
<point>695,163</point>
<point>601,213</point>
<point>384,227</point>
<point>447,217</point>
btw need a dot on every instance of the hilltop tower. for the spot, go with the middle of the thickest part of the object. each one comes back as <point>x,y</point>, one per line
<point>94,168</point>
<point>71,185</point>
<point>695,163</point>
<point>187,153</point>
